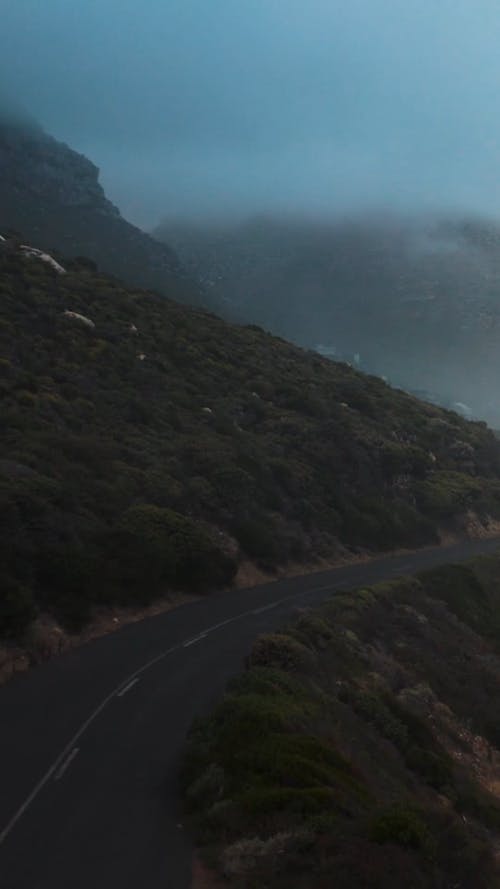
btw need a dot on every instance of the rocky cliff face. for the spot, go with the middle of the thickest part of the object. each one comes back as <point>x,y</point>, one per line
<point>52,195</point>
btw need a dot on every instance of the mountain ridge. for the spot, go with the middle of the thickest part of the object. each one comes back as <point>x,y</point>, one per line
<point>52,194</point>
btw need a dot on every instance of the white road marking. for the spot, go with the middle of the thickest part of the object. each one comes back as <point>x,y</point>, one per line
<point>223,623</point>
<point>122,687</point>
<point>126,682</point>
<point>127,687</point>
<point>66,764</point>
<point>195,639</point>
<point>76,737</point>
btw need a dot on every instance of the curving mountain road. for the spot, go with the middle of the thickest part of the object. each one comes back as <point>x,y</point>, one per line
<point>90,742</point>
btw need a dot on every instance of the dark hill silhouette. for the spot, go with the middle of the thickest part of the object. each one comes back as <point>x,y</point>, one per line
<point>52,195</point>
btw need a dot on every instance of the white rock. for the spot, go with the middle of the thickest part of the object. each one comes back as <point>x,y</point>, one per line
<point>44,257</point>
<point>82,319</point>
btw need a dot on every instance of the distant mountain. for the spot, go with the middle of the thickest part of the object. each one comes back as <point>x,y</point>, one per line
<point>146,446</point>
<point>52,194</point>
<point>414,300</point>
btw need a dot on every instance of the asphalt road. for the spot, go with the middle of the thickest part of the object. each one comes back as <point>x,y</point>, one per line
<point>90,742</point>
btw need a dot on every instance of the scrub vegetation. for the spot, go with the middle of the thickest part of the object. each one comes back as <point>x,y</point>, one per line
<point>360,747</point>
<point>147,447</point>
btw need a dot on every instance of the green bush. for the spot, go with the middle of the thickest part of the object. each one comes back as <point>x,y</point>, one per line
<point>465,596</point>
<point>372,707</point>
<point>242,718</point>
<point>266,681</point>
<point>281,651</point>
<point>447,493</point>
<point>262,801</point>
<point>404,826</point>
<point>154,547</point>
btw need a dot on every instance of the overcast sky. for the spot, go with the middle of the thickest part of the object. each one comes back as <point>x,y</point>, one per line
<point>209,106</point>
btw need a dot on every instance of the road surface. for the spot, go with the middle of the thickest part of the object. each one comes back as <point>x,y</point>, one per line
<point>90,742</point>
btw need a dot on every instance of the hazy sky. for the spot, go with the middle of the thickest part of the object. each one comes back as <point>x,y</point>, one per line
<point>207,106</point>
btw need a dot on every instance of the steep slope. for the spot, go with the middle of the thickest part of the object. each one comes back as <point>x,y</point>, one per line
<point>52,195</point>
<point>146,446</point>
<point>414,300</point>
<point>361,747</point>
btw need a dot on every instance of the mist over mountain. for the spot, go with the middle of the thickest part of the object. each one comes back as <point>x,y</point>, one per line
<point>412,298</point>
<point>201,108</point>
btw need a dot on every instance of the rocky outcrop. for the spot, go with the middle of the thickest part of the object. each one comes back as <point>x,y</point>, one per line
<point>32,161</point>
<point>52,195</point>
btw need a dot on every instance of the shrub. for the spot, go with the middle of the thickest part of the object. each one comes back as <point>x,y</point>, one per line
<point>403,825</point>
<point>266,681</point>
<point>262,801</point>
<point>281,651</point>
<point>446,493</point>
<point>154,547</point>
<point>465,596</point>
<point>259,540</point>
<point>372,707</point>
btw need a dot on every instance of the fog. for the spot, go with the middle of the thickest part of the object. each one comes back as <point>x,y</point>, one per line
<point>204,108</point>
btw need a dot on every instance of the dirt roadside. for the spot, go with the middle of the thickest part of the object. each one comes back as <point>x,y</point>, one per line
<point>47,639</point>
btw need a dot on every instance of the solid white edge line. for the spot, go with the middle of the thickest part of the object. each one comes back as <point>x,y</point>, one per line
<point>127,687</point>
<point>93,716</point>
<point>194,640</point>
<point>66,764</point>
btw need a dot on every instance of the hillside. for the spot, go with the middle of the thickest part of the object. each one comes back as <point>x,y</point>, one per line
<point>361,747</point>
<point>412,299</point>
<point>52,195</point>
<point>146,446</point>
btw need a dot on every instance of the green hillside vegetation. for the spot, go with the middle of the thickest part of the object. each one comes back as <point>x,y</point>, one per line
<point>160,447</point>
<point>361,746</point>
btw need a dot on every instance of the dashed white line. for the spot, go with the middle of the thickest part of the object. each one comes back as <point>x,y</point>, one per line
<point>70,751</point>
<point>122,688</point>
<point>223,623</point>
<point>76,737</point>
<point>127,687</point>
<point>66,764</point>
